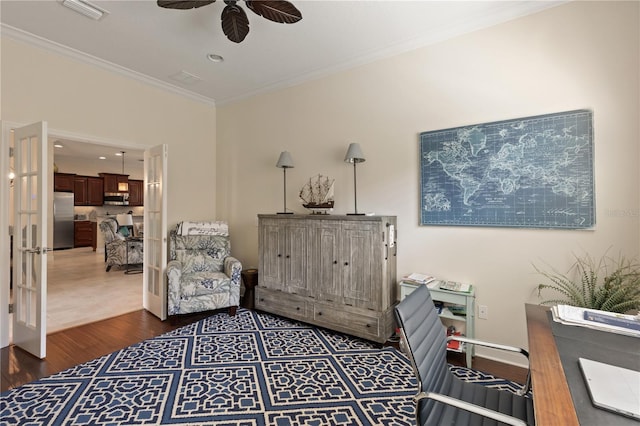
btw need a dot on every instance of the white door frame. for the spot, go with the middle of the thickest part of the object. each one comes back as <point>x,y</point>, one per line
<point>7,126</point>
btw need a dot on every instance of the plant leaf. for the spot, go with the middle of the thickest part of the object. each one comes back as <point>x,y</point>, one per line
<point>235,23</point>
<point>183,4</point>
<point>275,10</point>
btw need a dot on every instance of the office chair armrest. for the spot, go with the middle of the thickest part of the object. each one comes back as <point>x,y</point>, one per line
<point>472,408</point>
<point>527,386</point>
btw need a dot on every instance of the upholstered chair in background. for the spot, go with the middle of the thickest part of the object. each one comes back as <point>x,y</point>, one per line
<point>115,246</point>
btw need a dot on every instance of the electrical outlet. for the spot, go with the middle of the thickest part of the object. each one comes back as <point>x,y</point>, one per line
<point>483,312</point>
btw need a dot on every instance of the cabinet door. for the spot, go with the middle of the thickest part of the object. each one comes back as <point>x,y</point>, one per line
<point>136,195</point>
<point>63,182</point>
<point>283,255</point>
<point>361,251</point>
<point>95,191</point>
<point>83,234</point>
<point>80,191</point>
<point>110,182</point>
<point>295,257</point>
<point>325,262</point>
<point>271,254</point>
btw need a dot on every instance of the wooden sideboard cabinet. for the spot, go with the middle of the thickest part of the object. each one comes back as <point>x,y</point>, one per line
<point>336,272</point>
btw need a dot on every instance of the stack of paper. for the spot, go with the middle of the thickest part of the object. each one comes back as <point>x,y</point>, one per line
<point>599,320</point>
<point>419,278</point>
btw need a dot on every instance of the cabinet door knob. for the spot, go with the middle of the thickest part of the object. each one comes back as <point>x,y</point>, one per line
<point>287,256</point>
<point>335,262</point>
<point>297,308</point>
<point>279,255</point>
<point>319,313</point>
<point>346,263</point>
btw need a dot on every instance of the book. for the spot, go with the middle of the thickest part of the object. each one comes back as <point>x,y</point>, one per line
<point>612,319</point>
<point>455,286</point>
<point>419,278</point>
<point>576,316</point>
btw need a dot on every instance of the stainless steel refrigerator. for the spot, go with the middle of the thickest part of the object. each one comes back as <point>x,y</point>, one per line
<point>62,220</point>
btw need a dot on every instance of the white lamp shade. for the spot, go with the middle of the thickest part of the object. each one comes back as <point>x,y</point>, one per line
<point>354,154</point>
<point>285,161</point>
<point>124,220</point>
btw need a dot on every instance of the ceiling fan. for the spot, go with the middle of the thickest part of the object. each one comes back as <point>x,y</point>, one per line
<point>235,23</point>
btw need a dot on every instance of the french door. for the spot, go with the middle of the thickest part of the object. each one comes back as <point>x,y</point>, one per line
<point>154,293</point>
<point>30,245</point>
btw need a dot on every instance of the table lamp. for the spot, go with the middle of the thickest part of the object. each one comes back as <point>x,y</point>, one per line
<point>355,156</point>
<point>285,162</point>
<point>125,222</point>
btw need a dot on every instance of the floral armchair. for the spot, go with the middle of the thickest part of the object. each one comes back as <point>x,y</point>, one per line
<point>202,275</point>
<point>115,246</point>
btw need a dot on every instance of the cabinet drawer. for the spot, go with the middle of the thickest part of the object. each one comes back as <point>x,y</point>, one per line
<point>281,303</point>
<point>347,321</point>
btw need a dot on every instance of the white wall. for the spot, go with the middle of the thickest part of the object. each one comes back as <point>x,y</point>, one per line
<point>579,55</point>
<point>77,98</point>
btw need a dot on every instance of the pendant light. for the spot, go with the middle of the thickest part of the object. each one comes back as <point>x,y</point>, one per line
<point>123,186</point>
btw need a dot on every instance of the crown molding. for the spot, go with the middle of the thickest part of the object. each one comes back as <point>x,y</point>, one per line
<point>43,43</point>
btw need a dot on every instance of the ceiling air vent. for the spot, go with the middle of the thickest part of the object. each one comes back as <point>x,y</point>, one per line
<point>185,78</point>
<point>85,8</point>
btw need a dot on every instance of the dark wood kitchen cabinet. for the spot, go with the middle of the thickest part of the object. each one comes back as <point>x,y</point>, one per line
<point>88,191</point>
<point>136,192</point>
<point>63,182</point>
<point>111,181</point>
<point>83,234</point>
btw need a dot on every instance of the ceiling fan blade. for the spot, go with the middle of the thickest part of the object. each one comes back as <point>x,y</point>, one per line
<point>183,4</point>
<point>275,10</point>
<point>235,23</point>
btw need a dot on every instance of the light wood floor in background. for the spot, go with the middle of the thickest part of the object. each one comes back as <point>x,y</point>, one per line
<point>81,291</point>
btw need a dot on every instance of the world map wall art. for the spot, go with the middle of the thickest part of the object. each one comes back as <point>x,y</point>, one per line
<point>533,172</point>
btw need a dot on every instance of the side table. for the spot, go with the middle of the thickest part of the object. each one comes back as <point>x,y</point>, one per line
<point>466,299</point>
<point>250,280</point>
<point>136,269</point>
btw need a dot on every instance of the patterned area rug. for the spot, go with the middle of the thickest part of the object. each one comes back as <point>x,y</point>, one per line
<point>251,369</point>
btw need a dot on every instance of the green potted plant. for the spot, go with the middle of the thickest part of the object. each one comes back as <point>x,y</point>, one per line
<point>607,284</point>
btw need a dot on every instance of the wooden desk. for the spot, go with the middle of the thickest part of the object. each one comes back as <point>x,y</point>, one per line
<point>551,396</point>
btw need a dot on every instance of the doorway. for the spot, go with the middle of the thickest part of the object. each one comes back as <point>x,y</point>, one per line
<point>79,289</point>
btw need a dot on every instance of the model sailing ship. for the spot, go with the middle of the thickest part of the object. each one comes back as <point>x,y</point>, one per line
<point>317,194</point>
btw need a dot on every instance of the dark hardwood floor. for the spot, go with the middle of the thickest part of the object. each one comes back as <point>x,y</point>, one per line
<point>76,345</point>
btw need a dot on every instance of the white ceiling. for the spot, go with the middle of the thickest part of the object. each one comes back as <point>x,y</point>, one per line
<point>149,43</point>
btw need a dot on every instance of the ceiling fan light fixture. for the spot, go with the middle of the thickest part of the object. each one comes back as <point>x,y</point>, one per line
<point>85,8</point>
<point>235,23</point>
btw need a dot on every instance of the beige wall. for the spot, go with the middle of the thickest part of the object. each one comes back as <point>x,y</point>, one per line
<point>82,99</point>
<point>579,55</point>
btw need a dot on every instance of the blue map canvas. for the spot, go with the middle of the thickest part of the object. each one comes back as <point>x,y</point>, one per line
<point>534,172</point>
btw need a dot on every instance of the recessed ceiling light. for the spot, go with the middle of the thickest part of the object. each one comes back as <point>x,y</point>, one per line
<point>102,158</point>
<point>119,154</point>
<point>57,145</point>
<point>215,58</point>
<point>85,8</point>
